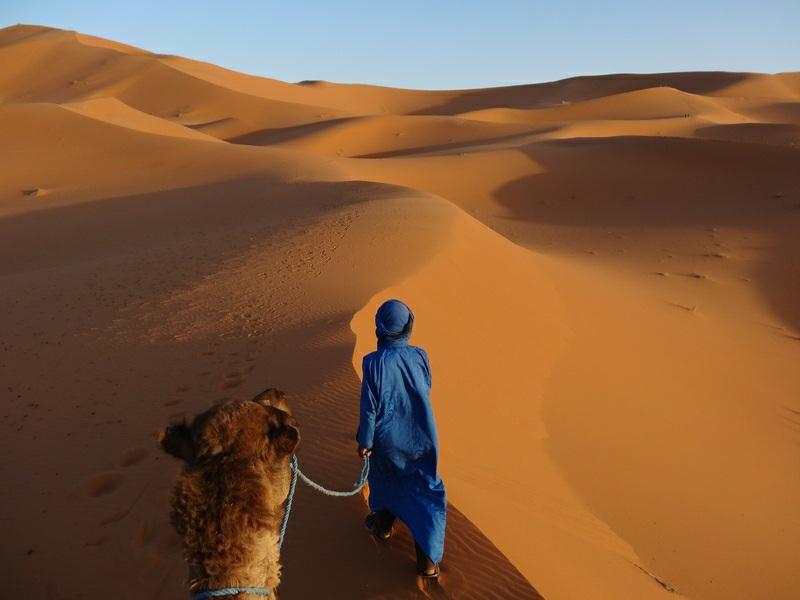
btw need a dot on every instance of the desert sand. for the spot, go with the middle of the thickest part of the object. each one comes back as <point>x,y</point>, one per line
<point>605,272</point>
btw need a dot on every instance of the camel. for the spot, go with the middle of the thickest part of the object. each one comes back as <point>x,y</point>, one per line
<point>228,501</point>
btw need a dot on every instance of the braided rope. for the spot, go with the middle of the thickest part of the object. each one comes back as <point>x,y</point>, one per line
<point>296,472</point>
<point>232,592</point>
<point>288,504</point>
<point>362,481</point>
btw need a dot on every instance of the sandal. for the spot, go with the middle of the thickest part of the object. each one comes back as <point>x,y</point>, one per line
<point>429,575</point>
<point>372,527</point>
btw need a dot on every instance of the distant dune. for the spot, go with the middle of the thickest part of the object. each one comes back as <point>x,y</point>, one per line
<point>605,272</point>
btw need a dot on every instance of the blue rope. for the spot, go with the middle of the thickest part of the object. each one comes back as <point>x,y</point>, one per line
<point>362,481</point>
<point>288,503</point>
<point>232,592</point>
<point>296,472</point>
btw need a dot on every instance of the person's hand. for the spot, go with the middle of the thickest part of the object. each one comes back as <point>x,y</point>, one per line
<point>362,452</point>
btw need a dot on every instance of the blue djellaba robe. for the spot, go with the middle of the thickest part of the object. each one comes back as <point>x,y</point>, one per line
<point>397,424</point>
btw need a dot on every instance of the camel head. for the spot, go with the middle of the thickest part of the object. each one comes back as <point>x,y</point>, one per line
<point>227,503</point>
<point>245,429</point>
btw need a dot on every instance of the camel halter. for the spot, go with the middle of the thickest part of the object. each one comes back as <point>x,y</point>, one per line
<point>296,472</point>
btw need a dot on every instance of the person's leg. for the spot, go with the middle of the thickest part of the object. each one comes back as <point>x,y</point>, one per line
<point>384,520</point>
<point>380,524</point>
<point>425,566</point>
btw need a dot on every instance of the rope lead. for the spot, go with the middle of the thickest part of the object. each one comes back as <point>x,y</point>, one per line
<point>296,472</point>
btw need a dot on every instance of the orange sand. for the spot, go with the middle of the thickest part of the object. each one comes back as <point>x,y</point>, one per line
<point>605,273</point>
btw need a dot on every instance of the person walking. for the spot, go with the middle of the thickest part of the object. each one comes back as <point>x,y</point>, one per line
<point>397,431</point>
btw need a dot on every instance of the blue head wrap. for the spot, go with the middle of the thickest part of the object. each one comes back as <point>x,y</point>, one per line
<point>393,321</point>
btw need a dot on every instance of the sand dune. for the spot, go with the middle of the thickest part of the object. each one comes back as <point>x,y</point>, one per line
<point>379,136</point>
<point>652,103</point>
<point>92,152</point>
<point>111,110</point>
<point>604,271</point>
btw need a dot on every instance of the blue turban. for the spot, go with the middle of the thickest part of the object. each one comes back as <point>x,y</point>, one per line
<point>394,320</point>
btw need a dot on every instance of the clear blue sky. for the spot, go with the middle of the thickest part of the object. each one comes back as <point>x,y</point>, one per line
<point>442,43</point>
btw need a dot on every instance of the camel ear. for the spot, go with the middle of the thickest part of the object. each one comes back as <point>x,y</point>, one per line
<point>177,441</point>
<point>285,439</point>
<point>273,397</point>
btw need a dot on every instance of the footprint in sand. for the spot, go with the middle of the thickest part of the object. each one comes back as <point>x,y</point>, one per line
<point>114,517</point>
<point>142,535</point>
<point>231,381</point>
<point>235,378</point>
<point>686,307</point>
<point>95,542</point>
<point>103,484</point>
<point>131,457</point>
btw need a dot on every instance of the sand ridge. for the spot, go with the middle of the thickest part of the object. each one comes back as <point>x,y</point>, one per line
<point>604,270</point>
